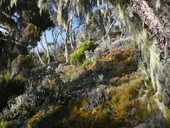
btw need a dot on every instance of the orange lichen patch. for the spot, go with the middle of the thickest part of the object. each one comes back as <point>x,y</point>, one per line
<point>89,67</point>
<point>119,54</point>
<point>117,63</point>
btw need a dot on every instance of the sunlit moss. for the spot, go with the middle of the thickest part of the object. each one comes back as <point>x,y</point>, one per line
<point>34,120</point>
<point>78,56</point>
<point>124,96</point>
<point>167,111</point>
<point>86,63</point>
<point>3,124</point>
<point>19,78</point>
<point>7,76</point>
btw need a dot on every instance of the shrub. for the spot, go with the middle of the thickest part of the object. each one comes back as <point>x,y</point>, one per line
<point>78,55</point>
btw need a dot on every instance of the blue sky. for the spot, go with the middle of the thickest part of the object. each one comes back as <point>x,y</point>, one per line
<point>49,35</point>
<point>74,25</point>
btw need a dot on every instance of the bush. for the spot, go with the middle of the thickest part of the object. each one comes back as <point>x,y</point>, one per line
<point>78,55</point>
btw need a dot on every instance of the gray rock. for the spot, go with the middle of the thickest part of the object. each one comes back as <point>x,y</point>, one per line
<point>122,41</point>
<point>89,54</point>
<point>97,96</point>
<point>141,126</point>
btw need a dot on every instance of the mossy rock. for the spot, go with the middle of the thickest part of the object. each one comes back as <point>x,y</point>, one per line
<point>10,88</point>
<point>25,61</point>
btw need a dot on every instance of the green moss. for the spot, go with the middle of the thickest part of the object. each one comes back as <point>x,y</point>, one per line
<point>1,78</point>
<point>123,96</point>
<point>167,111</point>
<point>8,124</point>
<point>78,55</point>
<point>19,78</point>
<point>7,76</point>
<point>86,62</point>
<point>3,124</point>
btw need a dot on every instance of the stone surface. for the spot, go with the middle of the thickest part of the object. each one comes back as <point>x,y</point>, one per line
<point>141,126</point>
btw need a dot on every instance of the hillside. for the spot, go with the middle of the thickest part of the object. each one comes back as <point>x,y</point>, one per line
<point>84,63</point>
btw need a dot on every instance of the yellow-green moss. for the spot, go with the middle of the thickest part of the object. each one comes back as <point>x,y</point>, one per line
<point>86,63</point>
<point>124,96</point>
<point>3,124</point>
<point>78,55</point>
<point>8,124</point>
<point>34,120</point>
<point>167,111</point>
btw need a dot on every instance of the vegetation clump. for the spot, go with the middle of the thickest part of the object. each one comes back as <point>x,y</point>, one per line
<point>10,88</point>
<point>25,61</point>
<point>78,56</point>
<point>8,124</point>
<point>87,62</point>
